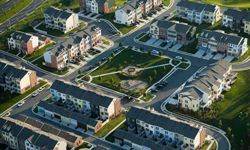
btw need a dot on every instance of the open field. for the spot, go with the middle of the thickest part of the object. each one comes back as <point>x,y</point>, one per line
<point>7,99</point>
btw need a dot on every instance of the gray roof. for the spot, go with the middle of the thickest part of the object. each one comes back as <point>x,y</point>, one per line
<point>91,29</point>
<point>127,8</point>
<point>80,93</point>
<point>45,143</point>
<point>69,114</point>
<point>50,129</point>
<point>197,6</point>
<point>192,93</point>
<point>68,137</point>
<point>124,135</point>
<point>57,13</point>
<point>178,27</point>
<point>11,71</point>
<point>28,134</point>
<point>237,14</point>
<point>21,36</point>
<point>222,37</point>
<point>11,127</point>
<point>163,121</point>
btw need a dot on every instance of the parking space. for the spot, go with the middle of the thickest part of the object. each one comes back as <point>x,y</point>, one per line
<point>200,53</point>
<point>218,56</point>
<point>89,15</point>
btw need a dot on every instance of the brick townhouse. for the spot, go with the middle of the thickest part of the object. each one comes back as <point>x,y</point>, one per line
<point>132,11</point>
<point>25,42</point>
<point>157,127</point>
<point>97,6</point>
<point>198,12</point>
<point>64,21</point>
<point>174,32</point>
<point>218,41</point>
<point>16,80</point>
<point>73,48</point>
<point>20,138</point>
<point>207,86</point>
<point>85,101</point>
<point>237,20</point>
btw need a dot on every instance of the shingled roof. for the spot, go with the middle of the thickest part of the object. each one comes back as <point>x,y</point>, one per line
<point>162,121</point>
<point>57,13</point>
<point>81,93</point>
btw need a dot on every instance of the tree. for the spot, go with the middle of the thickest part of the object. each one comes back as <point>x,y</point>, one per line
<point>120,44</point>
<point>79,72</point>
<point>229,130</point>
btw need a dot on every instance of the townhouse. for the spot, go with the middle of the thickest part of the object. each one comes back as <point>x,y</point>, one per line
<point>174,32</point>
<point>85,101</point>
<point>237,20</point>
<point>22,138</point>
<point>61,20</point>
<point>16,80</point>
<point>134,10</point>
<point>73,48</point>
<point>207,86</point>
<point>157,127</point>
<point>218,41</point>
<point>198,12</point>
<point>97,6</point>
<point>69,118</point>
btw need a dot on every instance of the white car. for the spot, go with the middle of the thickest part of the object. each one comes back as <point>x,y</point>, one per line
<point>35,94</point>
<point>178,57</point>
<point>20,103</point>
<point>41,89</point>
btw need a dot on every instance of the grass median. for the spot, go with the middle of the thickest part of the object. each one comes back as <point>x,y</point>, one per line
<point>110,125</point>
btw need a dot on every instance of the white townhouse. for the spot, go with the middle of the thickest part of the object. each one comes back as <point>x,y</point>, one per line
<point>86,101</point>
<point>64,21</point>
<point>218,41</point>
<point>132,11</point>
<point>198,12</point>
<point>166,129</point>
<point>207,86</point>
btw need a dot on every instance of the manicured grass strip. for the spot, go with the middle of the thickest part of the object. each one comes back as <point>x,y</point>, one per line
<point>110,125</point>
<point>14,10</point>
<point>145,38</point>
<point>166,2</point>
<point>190,48</point>
<point>244,57</point>
<point>38,53</point>
<point>228,3</point>
<point>8,99</point>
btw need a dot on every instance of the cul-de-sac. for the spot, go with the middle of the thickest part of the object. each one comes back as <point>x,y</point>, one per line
<point>124,74</point>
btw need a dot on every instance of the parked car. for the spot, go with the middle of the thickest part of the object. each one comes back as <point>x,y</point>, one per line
<point>35,94</point>
<point>155,52</point>
<point>20,103</point>
<point>40,89</point>
<point>178,57</point>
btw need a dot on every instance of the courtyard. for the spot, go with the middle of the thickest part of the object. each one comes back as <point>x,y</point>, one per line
<point>132,72</point>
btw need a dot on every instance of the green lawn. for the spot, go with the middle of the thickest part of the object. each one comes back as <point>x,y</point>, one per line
<point>38,53</point>
<point>129,57</point>
<point>39,63</point>
<point>110,125</point>
<point>145,38</point>
<point>14,10</point>
<point>120,3</point>
<point>244,57</point>
<point>166,2</point>
<point>7,99</point>
<point>228,3</point>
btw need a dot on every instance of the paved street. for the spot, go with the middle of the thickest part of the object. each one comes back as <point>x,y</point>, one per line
<point>174,81</point>
<point>20,15</point>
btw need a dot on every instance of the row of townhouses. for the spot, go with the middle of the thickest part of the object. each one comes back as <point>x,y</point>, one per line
<point>16,80</point>
<point>22,138</point>
<point>161,132</point>
<point>26,43</point>
<point>97,6</point>
<point>175,32</point>
<point>86,102</point>
<point>218,41</point>
<point>210,41</point>
<point>132,11</point>
<point>198,12</point>
<point>207,86</point>
<point>61,20</point>
<point>238,20</point>
<point>73,48</point>
<point>69,118</point>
